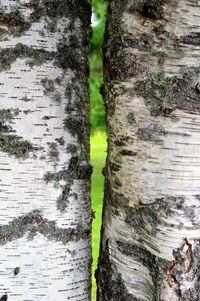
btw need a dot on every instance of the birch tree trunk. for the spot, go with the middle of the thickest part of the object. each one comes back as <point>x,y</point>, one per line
<point>150,248</point>
<point>44,150</point>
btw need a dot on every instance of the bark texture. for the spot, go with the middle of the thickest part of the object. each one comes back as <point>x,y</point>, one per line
<point>150,248</point>
<point>45,216</point>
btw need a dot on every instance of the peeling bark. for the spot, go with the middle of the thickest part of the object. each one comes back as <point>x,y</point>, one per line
<point>45,223</point>
<point>150,233</point>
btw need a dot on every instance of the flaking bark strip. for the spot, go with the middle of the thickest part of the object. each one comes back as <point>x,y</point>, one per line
<point>172,281</point>
<point>33,223</point>
<point>188,258</point>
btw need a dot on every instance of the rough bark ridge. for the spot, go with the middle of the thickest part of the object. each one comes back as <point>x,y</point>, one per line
<point>150,248</point>
<point>44,150</point>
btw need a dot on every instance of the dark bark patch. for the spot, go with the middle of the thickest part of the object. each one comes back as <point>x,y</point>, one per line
<point>118,200</point>
<point>153,9</point>
<point>163,94</point>
<point>4,298</point>
<point>15,146</point>
<point>69,54</point>
<point>138,253</point>
<point>75,171</point>
<point>76,126</point>
<point>33,223</point>
<point>151,133</point>
<point>12,144</point>
<point>143,42</point>
<point>48,85</point>
<point>53,152</point>
<point>131,118</point>
<point>71,148</point>
<point>126,152</point>
<point>36,56</point>
<point>110,283</point>
<point>61,141</point>
<point>114,167</point>
<point>192,39</point>
<point>55,9</point>
<point>14,21</point>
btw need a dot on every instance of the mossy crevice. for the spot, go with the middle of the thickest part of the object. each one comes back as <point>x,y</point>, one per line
<point>110,284</point>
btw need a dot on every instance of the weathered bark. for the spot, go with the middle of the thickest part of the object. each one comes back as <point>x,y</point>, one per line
<point>44,150</point>
<point>150,248</point>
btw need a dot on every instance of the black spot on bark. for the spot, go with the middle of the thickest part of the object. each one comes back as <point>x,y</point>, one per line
<point>4,298</point>
<point>16,271</point>
<point>126,152</point>
<point>153,9</point>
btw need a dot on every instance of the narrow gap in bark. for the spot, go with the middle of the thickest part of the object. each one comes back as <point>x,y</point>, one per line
<point>97,128</point>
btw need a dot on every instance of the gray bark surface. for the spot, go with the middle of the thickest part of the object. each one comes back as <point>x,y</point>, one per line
<point>45,221</point>
<point>150,245</point>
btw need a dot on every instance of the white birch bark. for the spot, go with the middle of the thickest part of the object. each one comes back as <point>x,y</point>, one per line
<point>150,247</point>
<point>44,171</point>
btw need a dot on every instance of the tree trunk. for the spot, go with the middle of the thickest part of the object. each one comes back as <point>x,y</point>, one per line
<point>150,248</point>
<point>44,150</point>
